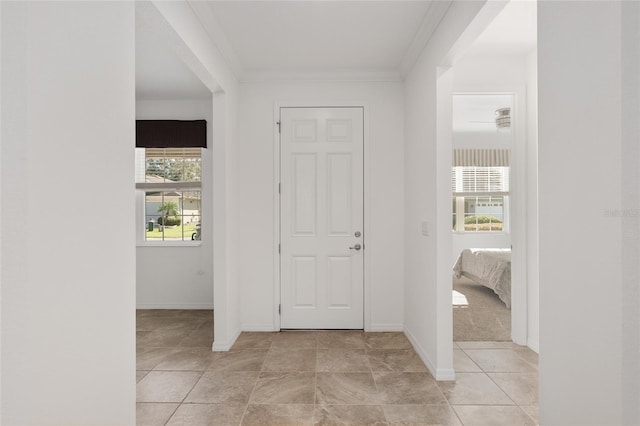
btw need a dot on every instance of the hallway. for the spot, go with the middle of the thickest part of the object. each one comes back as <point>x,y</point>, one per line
<point>321,377</point>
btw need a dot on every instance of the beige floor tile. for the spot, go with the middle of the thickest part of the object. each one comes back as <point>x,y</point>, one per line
<point>473,415</point>
<point>296,340</point>
<point>148,358</point>
<point>290,360</point>
<point>400,360</point>
<point>164,338</point>
<point>500,361</point>
<point>154,414</point>
<point>436,414</point>
<point>346,388</point>
<point>342,361</point>
<point>201,337</point>
<point>166,386</point>
<point>463,364</point>
<point>407,388</point>
<point>223,387</point>
<point>522,388</point>
<point>349,415</point>
<point>140,375</point>
<point>285,414</point>
<point>341,339</point>
<point>528,355</point>
<point>285,388</point>
<point>485,345</point>
<point>244,360</point>
<point>207,415</point>
<point>474,389</point>
<point>390,340</point>
<point>253,340</point>
<point>532,411</point>
<point>189,359</point>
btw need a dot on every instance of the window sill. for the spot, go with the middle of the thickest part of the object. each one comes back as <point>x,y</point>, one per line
<point>169,244</point>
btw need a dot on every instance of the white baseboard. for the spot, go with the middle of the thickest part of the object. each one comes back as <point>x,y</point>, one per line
<point>440,374</point>
<point>225,346</point>
<point>534,345</point>
<point>174,306</point>
<point>257,327</point>
<point>385,327</point>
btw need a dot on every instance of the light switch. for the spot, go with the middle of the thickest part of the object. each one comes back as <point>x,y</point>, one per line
<point>426,226</point>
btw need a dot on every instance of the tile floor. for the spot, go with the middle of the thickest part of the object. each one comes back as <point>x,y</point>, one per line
<point>321,377</point>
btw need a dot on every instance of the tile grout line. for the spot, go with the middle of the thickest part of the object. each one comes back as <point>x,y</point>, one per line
<point>246,407</point>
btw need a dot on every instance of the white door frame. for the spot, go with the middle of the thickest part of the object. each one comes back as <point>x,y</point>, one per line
<point>276,201</point>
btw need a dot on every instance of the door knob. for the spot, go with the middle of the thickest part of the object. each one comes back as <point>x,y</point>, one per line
<point>356,247</point>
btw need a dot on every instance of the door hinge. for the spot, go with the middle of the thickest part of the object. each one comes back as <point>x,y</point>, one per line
<point>279,309</point>
<point>278,248</point>
<point>279,188</point>
<point>278,123</point>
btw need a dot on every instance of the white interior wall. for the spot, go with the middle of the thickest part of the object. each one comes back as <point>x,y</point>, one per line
<point>68,286</point>
<point>179,277</point>
<point>580,157</point>
<point>177,24</point>
<point>428,321</point>
<point>631,204</point>
<point>255,193</point>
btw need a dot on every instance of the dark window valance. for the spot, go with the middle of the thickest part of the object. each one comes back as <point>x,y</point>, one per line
<point>171,133</point>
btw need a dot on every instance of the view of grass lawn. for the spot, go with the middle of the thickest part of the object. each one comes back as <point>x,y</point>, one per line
<point>172,232</point>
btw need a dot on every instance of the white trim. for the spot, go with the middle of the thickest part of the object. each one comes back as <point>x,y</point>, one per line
<point>442,374</point>
<point>534,345</point>
<point>255,76</point>
<point>207,306</point>
<point>225,346</point>
<point>385,327</point>
<point>218,37</point>
<point>258,327</point>
<point>276,200</point>
<point>437,10</point>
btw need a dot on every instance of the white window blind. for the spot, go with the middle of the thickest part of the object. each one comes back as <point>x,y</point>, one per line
<point>479,181</point>
<point>480,172</point>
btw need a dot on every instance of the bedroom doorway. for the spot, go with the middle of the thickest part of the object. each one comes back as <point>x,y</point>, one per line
<point>483,139</point>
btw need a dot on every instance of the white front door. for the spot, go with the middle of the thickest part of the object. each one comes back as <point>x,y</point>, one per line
<point>321,214</point>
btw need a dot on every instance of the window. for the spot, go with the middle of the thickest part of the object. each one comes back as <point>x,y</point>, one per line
<point>480,196</point>
<point>169,180</point>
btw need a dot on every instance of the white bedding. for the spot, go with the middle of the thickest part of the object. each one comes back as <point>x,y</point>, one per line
<point>489,267</point>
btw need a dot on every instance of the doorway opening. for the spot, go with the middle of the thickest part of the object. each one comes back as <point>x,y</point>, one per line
<point>494,181</point>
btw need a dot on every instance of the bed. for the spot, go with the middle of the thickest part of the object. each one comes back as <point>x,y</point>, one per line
<point>489,267</point>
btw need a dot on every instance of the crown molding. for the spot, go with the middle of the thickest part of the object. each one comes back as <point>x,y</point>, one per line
<point>264,76</point>
<point>205,15</point>
<point>433,17</point>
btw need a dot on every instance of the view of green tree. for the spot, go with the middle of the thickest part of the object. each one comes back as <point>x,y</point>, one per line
<point>169,208</point>
<point>175,169</point>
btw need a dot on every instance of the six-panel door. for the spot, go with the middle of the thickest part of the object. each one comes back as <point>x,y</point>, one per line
<point>321,207</point>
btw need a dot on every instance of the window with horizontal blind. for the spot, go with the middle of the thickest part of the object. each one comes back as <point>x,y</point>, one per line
<point>480,190</point>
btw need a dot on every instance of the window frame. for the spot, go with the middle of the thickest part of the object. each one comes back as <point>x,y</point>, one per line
<point>458,198</point>
<point>141,189</point>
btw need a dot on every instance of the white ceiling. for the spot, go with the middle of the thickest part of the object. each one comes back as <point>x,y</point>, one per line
<point>512,32</point>
<point>160,74</point>
<point>319,36</point>
<point>300,37</point>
